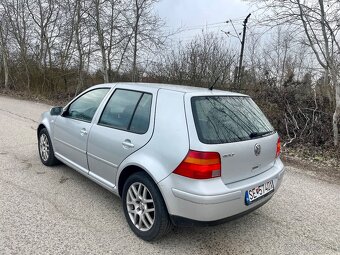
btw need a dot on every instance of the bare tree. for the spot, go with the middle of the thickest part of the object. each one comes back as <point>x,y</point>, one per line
<point>79,34</point>
<point>44,14</point>
<point>318,20</point>
<point>146,28</point>
<point>111,31</point>
<point>4,52</point>
<point>276,56</point>
<point>64,49</point>
<point>18,22</point>
<point>101,40</point>
<point>199,62</point>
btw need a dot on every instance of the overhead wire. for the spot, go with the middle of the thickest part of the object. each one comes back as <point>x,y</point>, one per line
<point>215,24</point>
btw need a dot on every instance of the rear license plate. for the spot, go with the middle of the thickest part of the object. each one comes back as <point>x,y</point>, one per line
<point>257,192</point>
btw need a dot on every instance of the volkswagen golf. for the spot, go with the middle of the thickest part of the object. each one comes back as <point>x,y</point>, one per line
<point>176,155</point>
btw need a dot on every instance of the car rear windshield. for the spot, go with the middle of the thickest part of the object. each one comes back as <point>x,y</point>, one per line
<point>227,119</point>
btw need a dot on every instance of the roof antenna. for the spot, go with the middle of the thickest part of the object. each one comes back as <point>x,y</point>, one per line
<point>212,86</point>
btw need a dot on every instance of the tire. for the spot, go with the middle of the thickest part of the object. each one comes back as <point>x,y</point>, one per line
<point>45,148</point>
<point>144,207</point>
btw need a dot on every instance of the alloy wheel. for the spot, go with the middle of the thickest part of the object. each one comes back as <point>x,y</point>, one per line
<point>140,206</point>
<point>44,147</point>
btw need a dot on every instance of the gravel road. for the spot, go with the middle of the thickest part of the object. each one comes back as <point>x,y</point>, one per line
<point>58,211</point>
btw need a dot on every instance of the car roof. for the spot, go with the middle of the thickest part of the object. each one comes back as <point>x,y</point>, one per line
<point>178,88</point>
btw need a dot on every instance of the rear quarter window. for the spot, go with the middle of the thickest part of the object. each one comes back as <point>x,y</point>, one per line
<point>128,110</point>
<point>227,119</point>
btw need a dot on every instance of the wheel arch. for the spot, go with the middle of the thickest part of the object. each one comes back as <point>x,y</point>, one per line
<point>40,127</point>
<point>125,174</point>
<point>163,222</point>
<point>127,171</point>
<point>47,121</point>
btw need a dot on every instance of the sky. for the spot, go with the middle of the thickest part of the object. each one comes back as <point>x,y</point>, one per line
<point>194,15</point>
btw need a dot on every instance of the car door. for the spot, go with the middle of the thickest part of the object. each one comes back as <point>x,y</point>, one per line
<point>72,127</point>
<point>124,126</point>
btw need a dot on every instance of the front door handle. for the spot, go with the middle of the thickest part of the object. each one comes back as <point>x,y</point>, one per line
<point>83,132</point>
<point>127,144</point>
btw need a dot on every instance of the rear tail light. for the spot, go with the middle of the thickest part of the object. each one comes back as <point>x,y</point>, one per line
<point>278,148</point>
<point>200,165</point>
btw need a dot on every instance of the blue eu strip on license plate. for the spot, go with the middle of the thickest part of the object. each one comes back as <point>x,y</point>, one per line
<point>258,192</point>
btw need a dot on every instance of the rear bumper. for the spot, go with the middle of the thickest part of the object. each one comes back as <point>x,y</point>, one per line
<point>207,202</point>
<point>181,221</point>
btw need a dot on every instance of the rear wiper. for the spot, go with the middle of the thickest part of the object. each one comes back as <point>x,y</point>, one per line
<point>259,134</point>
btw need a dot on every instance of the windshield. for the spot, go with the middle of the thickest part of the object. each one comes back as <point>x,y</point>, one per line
<point>227,119</point>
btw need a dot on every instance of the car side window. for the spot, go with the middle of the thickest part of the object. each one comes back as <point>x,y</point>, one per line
<point>84,107</point>
<point>141,119</point>
<point>127,110</point>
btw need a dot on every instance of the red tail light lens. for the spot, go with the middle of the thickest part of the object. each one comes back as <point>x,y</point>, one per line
<point>200,165</point>
<point>278,148</point>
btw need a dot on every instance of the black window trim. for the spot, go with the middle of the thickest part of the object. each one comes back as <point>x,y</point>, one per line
<point>77,97</point>
<point>133,114</point>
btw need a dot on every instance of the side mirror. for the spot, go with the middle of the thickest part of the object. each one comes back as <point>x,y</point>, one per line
<point>57,110</point>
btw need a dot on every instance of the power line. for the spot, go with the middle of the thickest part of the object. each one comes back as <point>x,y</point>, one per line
<point>215,24</point>
<point>199,28</point>
<point>211,24</point>
<point>237,34</point>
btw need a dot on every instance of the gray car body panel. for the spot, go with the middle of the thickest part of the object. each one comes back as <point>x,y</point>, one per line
<point>103,141</point>
<point>164,153</point>
<point>163,147</point>
<point>69,143</point>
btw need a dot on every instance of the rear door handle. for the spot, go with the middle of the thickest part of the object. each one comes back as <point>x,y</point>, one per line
<point>83,132</point>
<point>127,144</point>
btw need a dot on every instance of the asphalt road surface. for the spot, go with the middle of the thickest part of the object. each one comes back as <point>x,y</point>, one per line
<point>58,211</point>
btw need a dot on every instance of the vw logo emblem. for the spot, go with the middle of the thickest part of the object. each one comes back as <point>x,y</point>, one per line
<point>257,149</point>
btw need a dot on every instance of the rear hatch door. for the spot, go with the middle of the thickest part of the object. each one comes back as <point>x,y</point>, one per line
<point>236,128</point>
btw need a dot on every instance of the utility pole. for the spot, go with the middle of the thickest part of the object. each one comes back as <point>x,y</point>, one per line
<point>239,75</point>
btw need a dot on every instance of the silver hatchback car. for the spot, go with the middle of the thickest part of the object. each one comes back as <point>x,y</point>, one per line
<point>174,154</point>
